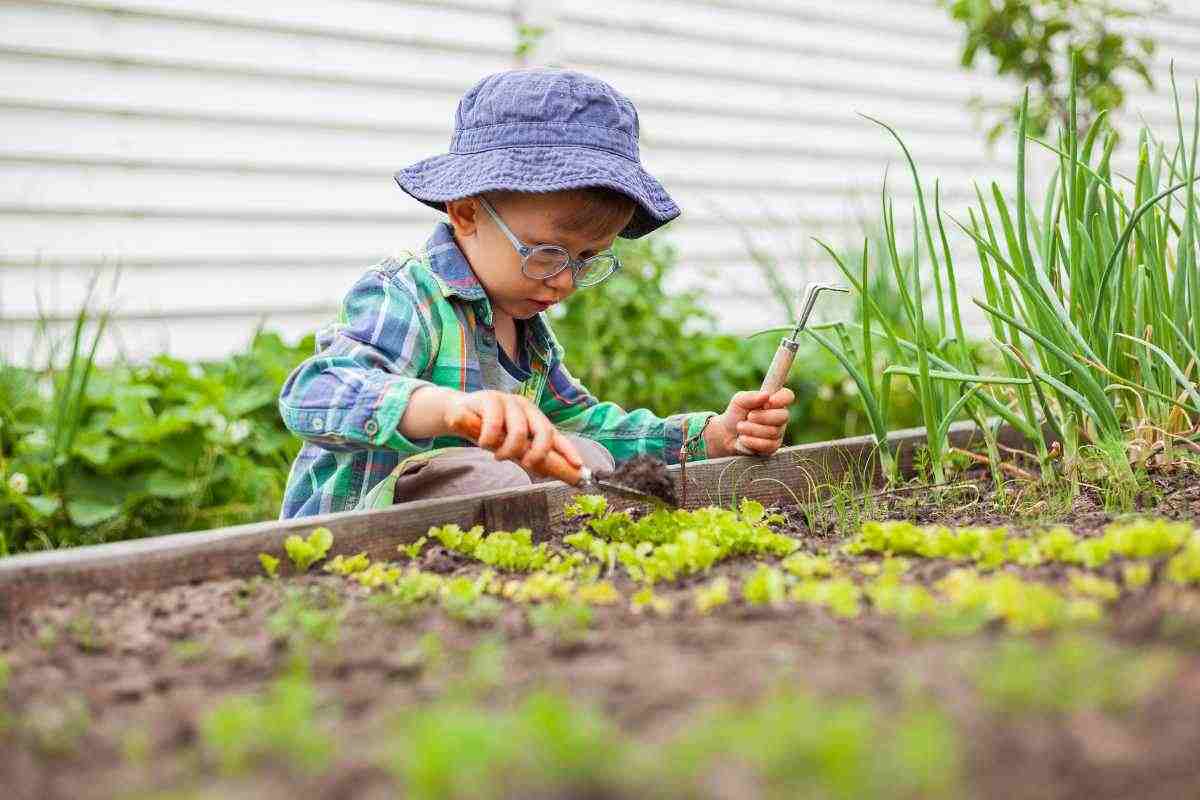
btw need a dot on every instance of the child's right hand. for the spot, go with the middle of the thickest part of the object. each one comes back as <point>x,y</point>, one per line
<point>513,428</point>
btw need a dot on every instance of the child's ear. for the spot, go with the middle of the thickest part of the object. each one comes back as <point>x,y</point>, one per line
<point>464,215</point>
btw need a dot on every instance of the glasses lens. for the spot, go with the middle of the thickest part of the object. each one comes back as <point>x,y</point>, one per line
<point>545,260</point>
<point>595,269</point>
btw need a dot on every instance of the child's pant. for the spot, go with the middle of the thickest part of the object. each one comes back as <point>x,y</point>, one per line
<point>451,471</point>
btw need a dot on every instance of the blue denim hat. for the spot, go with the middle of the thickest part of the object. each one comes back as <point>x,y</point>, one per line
<point>542,130</point>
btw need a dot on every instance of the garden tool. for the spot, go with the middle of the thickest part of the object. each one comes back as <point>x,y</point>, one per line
<point>469,425</point>
<point>781,364</point>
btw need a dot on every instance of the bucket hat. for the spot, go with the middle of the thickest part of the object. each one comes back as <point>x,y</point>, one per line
<point>542,129</point>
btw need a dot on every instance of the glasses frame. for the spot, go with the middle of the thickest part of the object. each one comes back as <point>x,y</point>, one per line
<point>576,264</point>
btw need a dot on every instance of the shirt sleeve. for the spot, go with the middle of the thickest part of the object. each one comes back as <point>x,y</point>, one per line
<point>625,434</point>
<point>351,394</point>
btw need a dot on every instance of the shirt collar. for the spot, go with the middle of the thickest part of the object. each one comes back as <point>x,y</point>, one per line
<point>456,279</point>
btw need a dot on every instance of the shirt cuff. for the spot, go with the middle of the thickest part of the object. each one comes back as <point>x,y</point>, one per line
<point>388,412</point>
<point>681,428</point>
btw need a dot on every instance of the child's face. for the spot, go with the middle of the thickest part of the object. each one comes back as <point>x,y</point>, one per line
<point>533,218</point>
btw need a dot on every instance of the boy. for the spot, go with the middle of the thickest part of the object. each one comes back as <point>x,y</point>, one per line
<point>542,175</point>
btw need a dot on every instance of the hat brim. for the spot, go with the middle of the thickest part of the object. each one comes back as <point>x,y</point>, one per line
<point>451,176</point>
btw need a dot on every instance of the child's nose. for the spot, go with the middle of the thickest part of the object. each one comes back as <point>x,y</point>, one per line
<point>564,281</point>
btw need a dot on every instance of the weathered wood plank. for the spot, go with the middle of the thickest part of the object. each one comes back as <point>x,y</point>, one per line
<point>790,475</point>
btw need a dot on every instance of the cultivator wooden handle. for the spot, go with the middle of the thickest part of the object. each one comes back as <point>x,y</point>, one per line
<point>469,425</point>
<point>781,364</point>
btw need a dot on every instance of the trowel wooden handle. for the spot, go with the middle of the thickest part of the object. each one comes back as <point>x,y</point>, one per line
<point>468,425</point>
<point>776,377</point>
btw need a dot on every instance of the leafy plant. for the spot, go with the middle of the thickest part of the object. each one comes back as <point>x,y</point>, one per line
<point>92,453</point>
<point>713,595</point>
<point>1030,40</point>
<point>306,552</point>
<point>764,587</point>
<point>565,624</point>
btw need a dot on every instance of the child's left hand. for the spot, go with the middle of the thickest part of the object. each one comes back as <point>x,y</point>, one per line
<point>759,418</point>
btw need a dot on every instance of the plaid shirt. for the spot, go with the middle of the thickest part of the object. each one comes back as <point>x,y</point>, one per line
<point>419,321</point>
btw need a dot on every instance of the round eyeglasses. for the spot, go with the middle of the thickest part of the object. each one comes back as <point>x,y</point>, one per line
<point>547,260</point>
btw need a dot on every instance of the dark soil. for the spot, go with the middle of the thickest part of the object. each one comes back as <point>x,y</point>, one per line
<point>645,474</point>
<point>106,692</point>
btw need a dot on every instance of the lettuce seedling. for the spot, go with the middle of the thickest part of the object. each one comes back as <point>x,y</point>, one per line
<point>1184,568</point>
<point>412,551</point>
<point>565,623</point>
<point>1086,584</point>
<point>1135,576</point>
<point>804,565</point>
<point>270,564</point>
<point>340,565</point>
<point>712,595</point>
<point>764,587</point>
<point>840,595</point>
<point>306,552</point>
<point>645,598</point>
<point>600,593</point>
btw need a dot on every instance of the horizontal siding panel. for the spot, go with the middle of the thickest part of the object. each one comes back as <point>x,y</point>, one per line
<point>204,146</point>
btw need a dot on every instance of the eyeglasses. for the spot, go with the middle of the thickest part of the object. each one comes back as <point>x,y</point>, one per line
<point>547,260</point>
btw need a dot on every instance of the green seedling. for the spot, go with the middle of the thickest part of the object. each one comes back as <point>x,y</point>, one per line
<point>464,600</point>
<point>511,552</point>
<point>86,633</point>
<point>304,620</point>
<point>565,624</point>
<point>56,729</point>
<point>840,595</point>
<point>306,552</point>
<point>600,593</point>
<point>340,565</point>
<point>665,545</point>
<point>270,565</point>
<point>646,600</point>
<point>1184,568</point>
<point>412,551</point>
<point>765,587</point>
<point>1135,576</point>
<point>712,595</point>
<point>279,725</point>
<point>1086,584</point>
<point>1072,674</point>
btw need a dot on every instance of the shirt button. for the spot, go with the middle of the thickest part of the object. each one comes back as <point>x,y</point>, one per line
<point>317,423</point>
<point>371,427</point>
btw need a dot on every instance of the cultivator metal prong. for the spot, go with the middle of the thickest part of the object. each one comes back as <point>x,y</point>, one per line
<point>809,299</point>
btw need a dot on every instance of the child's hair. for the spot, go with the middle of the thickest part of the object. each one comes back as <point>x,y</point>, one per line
<point>601,210</point>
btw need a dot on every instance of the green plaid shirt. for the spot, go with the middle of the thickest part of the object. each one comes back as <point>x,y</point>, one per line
<point>419,321</point>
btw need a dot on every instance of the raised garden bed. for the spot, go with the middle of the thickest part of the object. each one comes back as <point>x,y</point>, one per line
<point>885,660</point>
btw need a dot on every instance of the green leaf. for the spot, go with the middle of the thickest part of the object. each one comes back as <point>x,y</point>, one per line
<point>86,512</point>
<point>170,485</point>
<point>44,505</point>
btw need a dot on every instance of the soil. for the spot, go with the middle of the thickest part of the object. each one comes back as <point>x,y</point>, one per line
<point>646,474</point>
<point>106,692</point>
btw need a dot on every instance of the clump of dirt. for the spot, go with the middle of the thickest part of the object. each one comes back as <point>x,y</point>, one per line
<point>645,474</point>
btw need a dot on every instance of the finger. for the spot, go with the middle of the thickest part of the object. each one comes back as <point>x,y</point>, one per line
<point>745,428</point>
<point>782,398</point>
<point>516,433</point>
<point>769,416</point>
<point>749,400</point>
<point>566,448</point>
<point>543,437</point>
<point>491,430</point>
<point>758,445</point>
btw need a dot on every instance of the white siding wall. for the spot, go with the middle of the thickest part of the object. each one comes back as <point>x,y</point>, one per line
<point>233,161</point>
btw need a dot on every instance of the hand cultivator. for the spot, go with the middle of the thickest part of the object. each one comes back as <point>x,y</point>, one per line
<point>782,363</point>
